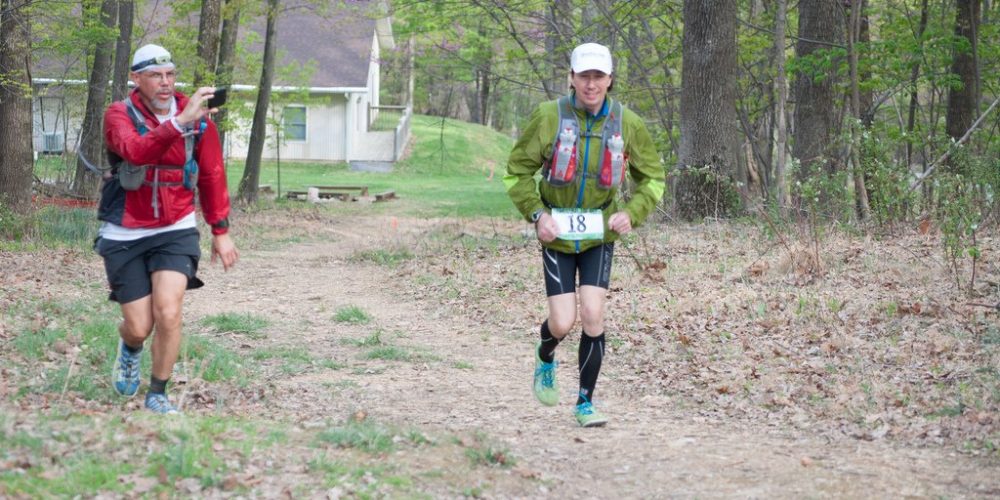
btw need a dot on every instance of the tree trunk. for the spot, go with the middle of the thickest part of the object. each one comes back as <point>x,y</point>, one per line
<point>258,131</point>
<point>483,89</point>
<point>708,148</point>
<point>557,41</point>
<point>15,106</point>
<point>227,50</point>
<point>781,96</point>
<point>411,74</point>
<point>860,108</point>
<point>821,28</point>
<point>911,119</point>
<point>208,40</point>
<point>91,145</point>
<point>962,100</point>
<point>123,50</point>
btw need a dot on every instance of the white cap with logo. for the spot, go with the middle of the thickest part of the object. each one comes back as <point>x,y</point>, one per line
<point>591,56</point>
<point>151,57</point>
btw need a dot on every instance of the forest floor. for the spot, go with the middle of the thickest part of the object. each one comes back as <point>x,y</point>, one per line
<point>738,365</point>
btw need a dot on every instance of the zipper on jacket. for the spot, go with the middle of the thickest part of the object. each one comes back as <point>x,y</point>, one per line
<point>586,156</point>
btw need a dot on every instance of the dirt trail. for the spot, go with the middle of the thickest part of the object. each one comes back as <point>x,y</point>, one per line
<point>472,378</point>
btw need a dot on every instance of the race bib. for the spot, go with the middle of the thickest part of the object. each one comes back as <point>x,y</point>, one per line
<point>579,224</point>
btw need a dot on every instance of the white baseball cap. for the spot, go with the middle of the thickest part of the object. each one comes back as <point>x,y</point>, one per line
<point>151,57</point>
<point>591,56</point>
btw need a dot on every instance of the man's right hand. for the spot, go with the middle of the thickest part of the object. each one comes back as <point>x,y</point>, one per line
<point>194,111</point>
<point>547,229</point>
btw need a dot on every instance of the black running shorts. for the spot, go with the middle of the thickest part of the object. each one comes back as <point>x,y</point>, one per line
<point>561,269</point>
<point>129,264</point>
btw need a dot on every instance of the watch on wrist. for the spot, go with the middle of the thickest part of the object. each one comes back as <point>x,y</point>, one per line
<point>537,214</point>
<point>222,224</point>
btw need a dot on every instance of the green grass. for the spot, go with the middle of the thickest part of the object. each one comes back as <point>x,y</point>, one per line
<point>294,360</point>
<point>383,257</point>
<point>389,353</point>
<point>443,176</point>
<point>351,314</point>
<point>195,446</point>
<point>447,174</point>
<point>48,227</point>
<point>72,350</point>
<point>79,475</point>
<point>375,339</point>
<point>246,324</point>
<point>365,436</point>
<point>73,471</point>
<point>483,452</point>
<point>210,360</point>
<point>371,437</point>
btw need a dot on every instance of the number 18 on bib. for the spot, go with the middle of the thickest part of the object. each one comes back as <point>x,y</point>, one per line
<point>579,224</point>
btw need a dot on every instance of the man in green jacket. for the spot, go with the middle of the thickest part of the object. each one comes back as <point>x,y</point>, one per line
<point>583,143</point>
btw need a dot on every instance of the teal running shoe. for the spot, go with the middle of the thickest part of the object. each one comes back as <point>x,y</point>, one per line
<point>158,403</point>
<point>588,416</point>
<point>125,373</point>
<point>545,387</point>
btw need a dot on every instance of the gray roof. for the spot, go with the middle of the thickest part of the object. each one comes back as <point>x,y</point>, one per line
<point>336,37</point>
<point>339,43</point>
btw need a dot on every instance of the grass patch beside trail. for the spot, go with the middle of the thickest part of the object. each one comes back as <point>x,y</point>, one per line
<point>249,325</point>
<point>445,174</point>
<point>64,454</point>
<point>61,347</point>
<point>366,436</point>
<point>383,257</point>
<point>294,360</point>
<point>375,339</point>
<point>48,227</point>
<point>352,314</point>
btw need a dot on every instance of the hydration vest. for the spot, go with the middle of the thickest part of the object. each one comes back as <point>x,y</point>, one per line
<point>132,177</point>
<point>562,169</point>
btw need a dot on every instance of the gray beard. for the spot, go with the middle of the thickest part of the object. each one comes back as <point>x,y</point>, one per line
<point>162,105</point>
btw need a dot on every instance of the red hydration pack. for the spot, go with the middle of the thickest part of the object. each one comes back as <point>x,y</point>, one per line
<point>561,169</point>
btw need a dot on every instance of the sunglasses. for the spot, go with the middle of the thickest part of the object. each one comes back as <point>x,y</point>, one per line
<point>162,59</point>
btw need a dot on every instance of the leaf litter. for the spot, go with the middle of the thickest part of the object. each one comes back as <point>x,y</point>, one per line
<point>864,339</point>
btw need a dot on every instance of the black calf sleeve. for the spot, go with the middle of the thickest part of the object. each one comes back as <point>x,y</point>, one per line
<point>591,354</point>
<point>157,386</point>
<point>549,343</point>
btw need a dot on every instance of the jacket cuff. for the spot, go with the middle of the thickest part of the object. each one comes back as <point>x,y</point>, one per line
<point>220,227</point>
<point>534,208</point>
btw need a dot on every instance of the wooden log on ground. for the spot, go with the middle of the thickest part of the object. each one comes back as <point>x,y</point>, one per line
<point>385,196</point>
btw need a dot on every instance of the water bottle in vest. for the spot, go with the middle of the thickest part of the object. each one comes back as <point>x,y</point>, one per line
<point>564,158</point>
<point>613,164</point>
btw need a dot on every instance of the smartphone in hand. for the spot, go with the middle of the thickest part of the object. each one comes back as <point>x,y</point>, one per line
<point>219,98</point>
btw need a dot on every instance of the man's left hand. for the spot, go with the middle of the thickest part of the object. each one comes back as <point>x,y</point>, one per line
<point>620,222</point>
<point>223,247</point>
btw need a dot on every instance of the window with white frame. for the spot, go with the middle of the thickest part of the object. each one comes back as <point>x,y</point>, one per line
<point>293,121</point>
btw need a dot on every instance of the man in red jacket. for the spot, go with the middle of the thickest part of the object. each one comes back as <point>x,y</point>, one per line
<point>163,148</point>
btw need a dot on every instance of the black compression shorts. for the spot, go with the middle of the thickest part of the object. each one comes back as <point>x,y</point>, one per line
<point>561,269</point>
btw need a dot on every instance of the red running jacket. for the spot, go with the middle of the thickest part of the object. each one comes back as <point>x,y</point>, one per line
<point>162,145</point>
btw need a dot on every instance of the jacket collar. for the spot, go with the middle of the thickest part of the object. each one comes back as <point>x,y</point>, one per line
<point>600,114</point>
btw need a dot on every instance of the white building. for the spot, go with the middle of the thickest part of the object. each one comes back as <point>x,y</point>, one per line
<point>335,122</point>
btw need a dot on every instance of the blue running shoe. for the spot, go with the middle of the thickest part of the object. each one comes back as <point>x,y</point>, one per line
<point>544,385</point>
<point>125,374</point>
<point>158,403</point>
<point>588,416</point>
